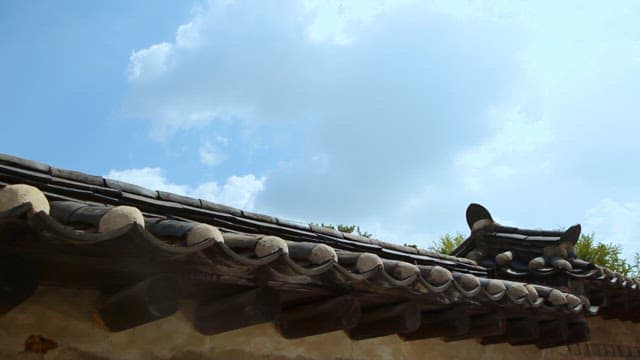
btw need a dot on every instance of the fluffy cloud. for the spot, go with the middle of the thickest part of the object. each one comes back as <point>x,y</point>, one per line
<point>615,222</point>
<point>212,154</point>
<point>404,113</point>
<point>496,162</point>
<point>381,121</point>
<point>238,191</point>
<point>151,178</point>
<point>149,63</point>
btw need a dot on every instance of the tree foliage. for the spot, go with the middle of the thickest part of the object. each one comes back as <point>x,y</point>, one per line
<point>349,229</point>
<point>587,248</point>
<point>447,243</point>
<point>608,255</point>
<point>635,265</point>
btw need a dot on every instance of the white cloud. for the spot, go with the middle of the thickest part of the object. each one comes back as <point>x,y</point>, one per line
<point>148,177</point>
<point>188,36</point>
<point>259,60</point>
<point>516,148</point>
<point>171,120</point>
<point>408,112</point>
<point>333,20</point>
<point>615,222</point>
<point>149,63</point>
<point>241,190</point>
<point>237,191</point>
<point>212,154</point>
<point>384,99</point>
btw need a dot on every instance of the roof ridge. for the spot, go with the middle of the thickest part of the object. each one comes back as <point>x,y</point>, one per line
<point>46,173</point>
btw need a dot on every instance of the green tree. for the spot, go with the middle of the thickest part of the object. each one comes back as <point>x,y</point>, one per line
<point>350,229</point>
<point>608,255</point>
<point>635,266</point>
<point>447,243</point>
<point>587,248</point>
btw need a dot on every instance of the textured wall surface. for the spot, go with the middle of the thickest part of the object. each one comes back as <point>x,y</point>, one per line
<point>65,316</point>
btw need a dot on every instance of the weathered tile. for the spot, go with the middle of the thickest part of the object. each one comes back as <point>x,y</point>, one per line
<point>78,176</point>
<point>179,198</point>
<point>28,164</point>
<point>131,188</point>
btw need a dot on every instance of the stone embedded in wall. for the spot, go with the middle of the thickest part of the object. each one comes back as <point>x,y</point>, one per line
<point>39,344</point>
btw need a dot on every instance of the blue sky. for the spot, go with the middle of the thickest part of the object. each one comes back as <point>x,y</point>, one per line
<point>390,115</point>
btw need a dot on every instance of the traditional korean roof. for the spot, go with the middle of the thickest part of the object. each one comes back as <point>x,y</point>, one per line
<point>150,252</point>
<point>548,257</point>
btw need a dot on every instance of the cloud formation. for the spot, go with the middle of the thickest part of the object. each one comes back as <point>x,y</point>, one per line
<point>498,159</point>
<point>403,113</point>
<point>615,222</point>
<point>378,116</point>
<point>212,153</point>
<point>149,63</point>
<point>238,191</point>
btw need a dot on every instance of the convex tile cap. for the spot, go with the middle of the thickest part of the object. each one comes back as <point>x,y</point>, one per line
<point>18,194</point>
<point>268,245</point>
<point>119,217</point>
<point>367,262</point>
<point>322,253</point>
<point>202,232</point>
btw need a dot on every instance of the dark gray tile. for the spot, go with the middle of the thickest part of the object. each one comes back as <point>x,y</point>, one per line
<point>163,195</point>
<point>131,188</point>
<point>78,176</point>
<point>29,164</point>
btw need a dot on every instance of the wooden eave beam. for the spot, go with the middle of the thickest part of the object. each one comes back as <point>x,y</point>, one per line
<point>555,333</point>
<point>245,309</point>
<point>519,331</point>
<point>490,324</point>
<point>144,302</point>
<point>339,313</point>
<point>434,324</point>
<point>387,320</point>
<point>18,281</point>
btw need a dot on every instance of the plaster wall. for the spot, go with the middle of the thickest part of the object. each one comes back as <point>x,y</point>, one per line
<point>65,316</point>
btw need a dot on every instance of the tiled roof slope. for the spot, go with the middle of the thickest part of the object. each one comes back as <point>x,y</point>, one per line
<point>61,184</point>
<point>548,257</point>
<point>149,250</point>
